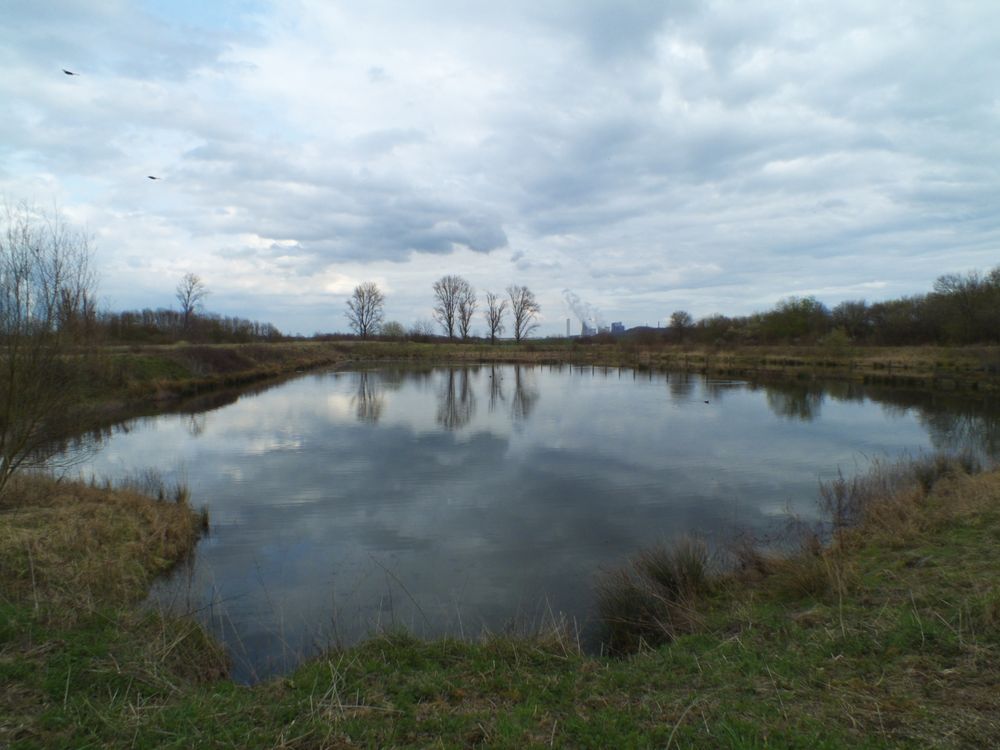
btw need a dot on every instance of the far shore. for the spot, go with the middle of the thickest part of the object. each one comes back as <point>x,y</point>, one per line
<point>158,374</point>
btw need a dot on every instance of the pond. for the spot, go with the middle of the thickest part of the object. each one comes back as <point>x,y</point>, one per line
<point>458,500</point>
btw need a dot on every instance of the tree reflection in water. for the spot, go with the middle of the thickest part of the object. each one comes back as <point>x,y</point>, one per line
<point>196,423</point>
<point>525,394</point>
<point>955,422</point>
<point>456,400</point>
<point>368,401</point>
<point>795,402</point>
<point>681,385</point>
<point>496,387</point>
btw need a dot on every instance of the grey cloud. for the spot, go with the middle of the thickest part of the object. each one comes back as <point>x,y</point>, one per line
<point>611,29</point>
<point>339,215</point>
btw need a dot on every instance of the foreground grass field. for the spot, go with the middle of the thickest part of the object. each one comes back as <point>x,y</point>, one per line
<point>888,637</point>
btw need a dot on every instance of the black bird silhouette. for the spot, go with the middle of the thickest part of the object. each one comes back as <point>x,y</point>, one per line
<point>69,72</point>
<point>149,176</point>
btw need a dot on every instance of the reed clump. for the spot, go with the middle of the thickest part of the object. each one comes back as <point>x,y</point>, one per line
<point>655,597</point>
<point>152,483</point>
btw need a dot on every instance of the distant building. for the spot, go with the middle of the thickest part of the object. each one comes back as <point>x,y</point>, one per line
<point>617,328</point>
<point>587,330</point>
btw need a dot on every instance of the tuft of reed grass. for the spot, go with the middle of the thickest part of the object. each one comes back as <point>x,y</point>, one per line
<point>654,597</point>
<point>929,470</point>
<point>679,571</point>
<point>151,482</point>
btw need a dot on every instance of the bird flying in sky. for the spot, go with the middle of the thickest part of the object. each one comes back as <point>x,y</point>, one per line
<point>151,177</point>
<point>69,72</point>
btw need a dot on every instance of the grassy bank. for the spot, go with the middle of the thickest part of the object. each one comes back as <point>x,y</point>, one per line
<point>888,637</point>
<point>158,374</point>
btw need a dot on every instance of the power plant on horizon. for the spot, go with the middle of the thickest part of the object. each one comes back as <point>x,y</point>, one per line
<point>593,328</point>
<point>589,316</point>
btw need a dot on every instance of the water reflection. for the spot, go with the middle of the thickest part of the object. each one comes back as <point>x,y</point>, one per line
<point>795,401</point>
<point>456,401</point>
<point>526,394</point>
<point>496,388</point>
<point>681,385</point>
<point>196,423</point>
<point>452,499</point>
<point>368,399</point>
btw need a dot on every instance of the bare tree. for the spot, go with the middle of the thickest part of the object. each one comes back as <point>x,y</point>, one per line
<point>190,293</point>
<point>448,292</point>
<point>46,310</point>
<point>681,323</point>
<point>466,308</point>
<point>422,329</point>
<point>495,307</point>
<point>524,308</point>
<point>365,309</point>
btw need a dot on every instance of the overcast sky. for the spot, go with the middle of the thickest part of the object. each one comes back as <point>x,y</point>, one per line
<point>648,156</point>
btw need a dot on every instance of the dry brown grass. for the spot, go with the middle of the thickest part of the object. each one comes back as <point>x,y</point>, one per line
<point>74,559</point>
<point>72,545</point>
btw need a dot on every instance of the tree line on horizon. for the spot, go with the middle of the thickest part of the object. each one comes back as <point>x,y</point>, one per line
<point>960,309</point>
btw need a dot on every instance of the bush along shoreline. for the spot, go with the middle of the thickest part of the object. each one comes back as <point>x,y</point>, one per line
<point>879,629</point>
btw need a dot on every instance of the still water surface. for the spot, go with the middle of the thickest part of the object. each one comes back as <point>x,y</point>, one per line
<point>452,500</point>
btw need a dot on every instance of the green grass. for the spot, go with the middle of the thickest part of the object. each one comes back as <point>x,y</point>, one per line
<point>903,652</point>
